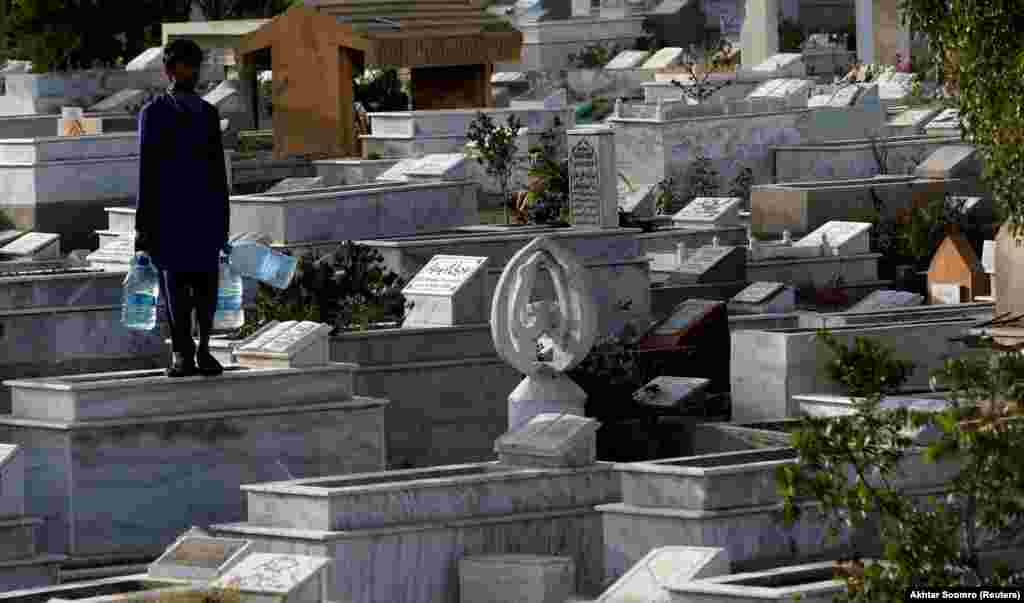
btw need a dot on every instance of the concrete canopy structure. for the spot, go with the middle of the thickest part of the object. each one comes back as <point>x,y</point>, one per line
<point>314,54</point>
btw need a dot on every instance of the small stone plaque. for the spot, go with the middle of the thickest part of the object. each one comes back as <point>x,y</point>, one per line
<point>663,567</point>
<point>295,184</point>
<point>713,265</point>
<point>115,255</point>
<point>988,256</point>
<point>686,315</point>
<point>199,558</point>
<point>672,392</point>
<point>289,344</point>
<point>508,77</point>
<point>710,211</point>
<point>444,275</point>
<point>149,59</point>
<point>274,574</point>
<point>880,300</point>
<point>34,245</point>
<point>847,238</point>
<point>758,293</point>
<point>443,166</point>
<point>628,59</point>
<point>945,293</point>
<point>285,337</point>
<point>399,171</point>
<point>119,101</point>
<point>666,57</point>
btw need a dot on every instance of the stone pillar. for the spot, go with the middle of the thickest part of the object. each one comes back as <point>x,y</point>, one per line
<point>759,39</point>
<point>593,186</point>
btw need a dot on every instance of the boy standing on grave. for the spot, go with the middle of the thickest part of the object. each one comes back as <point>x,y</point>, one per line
<point>182,208</point>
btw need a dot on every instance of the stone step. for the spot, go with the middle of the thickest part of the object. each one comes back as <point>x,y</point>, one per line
<point>18,537</point>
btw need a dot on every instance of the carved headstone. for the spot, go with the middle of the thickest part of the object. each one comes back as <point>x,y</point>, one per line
<point>200,558</point>
<point>846,238</point>
<point>882,299</point>
<point>285,578</point>
<point>593,189</point>
<point>33,246</point>
<point>672,393</point>
<point>710,264</point>
<point>518,324</point>
<point>448,291</point>
<point>516,579</point>
<point>290,344</point>
<point>709,211</point>
<point>550,440</point>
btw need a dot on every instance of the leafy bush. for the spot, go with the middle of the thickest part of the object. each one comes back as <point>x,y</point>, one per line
<point>549,167</point>
<point>494,147</point>
<point>741,185</point>
<point>594,56</point>
<point>850,464</point>
<point>346,288</point>
<point>703,180</point>
<point>791,36</point>
<point>380,90</point>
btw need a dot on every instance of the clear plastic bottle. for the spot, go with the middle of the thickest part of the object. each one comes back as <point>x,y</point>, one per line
<point>255,260</point>
<point>229,315</point>
<point>141,290</point>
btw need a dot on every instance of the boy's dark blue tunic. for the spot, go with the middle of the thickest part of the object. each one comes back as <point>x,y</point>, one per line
<point>182,207</point>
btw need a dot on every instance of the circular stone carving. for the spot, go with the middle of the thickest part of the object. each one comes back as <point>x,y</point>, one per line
<point>570,321</point>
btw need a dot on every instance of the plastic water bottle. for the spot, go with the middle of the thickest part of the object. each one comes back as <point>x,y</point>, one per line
<point>255,260</point>
<point>141,290</point>
<point>229,315</point>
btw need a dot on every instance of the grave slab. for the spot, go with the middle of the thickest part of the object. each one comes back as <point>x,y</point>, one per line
<point>12,481</point>
<point>400,171</point>
<point>593,187</point>
<point>7,236</point>
<point>279,577</point>
<point>953,161</point>
<point>710,264</point>
<point>33,246</point>
<point>685,319</point>
<point>646,581</point>
<point>844,238</point>
<point>148,60</point>
<point>883,299</point>
<point>448,291</point>
<point>666,57</point>
<point>672,393</point>
<point>787,63</point>
<point>709,211</point>
<point>808,583</point>
<point>439,166</point>
<point>639,203</point>
<point>199,558</point>
<point>764,298</point>
<point>945,123</point>
<point>628,59</point>
<point>516,579</point>
<point>287,345</point>
<point>550,440</point>
<point>295,184</point>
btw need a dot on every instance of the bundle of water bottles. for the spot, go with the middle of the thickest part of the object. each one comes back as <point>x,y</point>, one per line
<point>247,258</point>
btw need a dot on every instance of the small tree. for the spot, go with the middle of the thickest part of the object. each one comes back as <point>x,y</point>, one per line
<point>494,147</point>
<point>850,465</point>
<point>703,180</point>
<point>699,63</point>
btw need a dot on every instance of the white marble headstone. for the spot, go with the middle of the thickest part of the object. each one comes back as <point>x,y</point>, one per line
<point>119,101</point>
<point>628,59</point>
<point>672,392</point>
<point>666,57</point>
<point>639,203</point>
<point>547,434</point>
<point>448,291</point>
<point>279,574</point>
<point>295,184</point>
<point>593,178</point>
<point>710,211</point>
<point>710,264</point>
<point>847,238</point>
<point>151,59</point>
<point>34,245</point>
<point>288,344</point>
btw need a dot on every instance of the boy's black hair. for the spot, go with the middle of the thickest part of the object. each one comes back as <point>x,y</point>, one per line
<point>184,52</point>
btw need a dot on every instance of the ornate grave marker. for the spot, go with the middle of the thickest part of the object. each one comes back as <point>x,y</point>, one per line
<point>290,344</point>
<point>289,578</point>
<point>516,579</point>
<point>709,211</point>
<point>593,191</point>
<point>550,440</point>
<point>448,291</point>
<point>33,246</point>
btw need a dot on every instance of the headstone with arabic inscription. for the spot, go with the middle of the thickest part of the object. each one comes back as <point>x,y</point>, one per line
<point>550,440</point>
<point>200,558</point>
<point>33,246</point>
<point>593,187</point>
<point>290,344</point>
<point>711,264</point>
<point>279,577</point>
<point>447,292</point>
<point>845,238</point>
<point>709,211</point>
